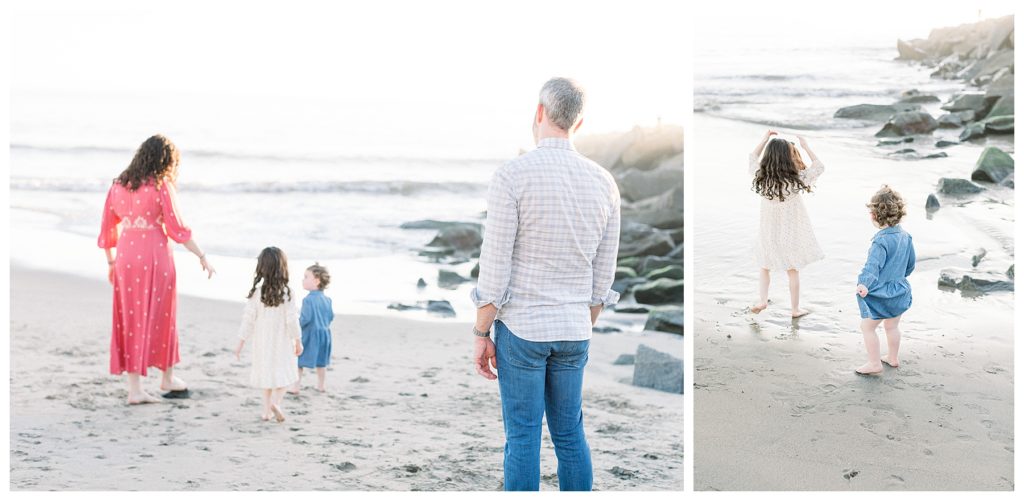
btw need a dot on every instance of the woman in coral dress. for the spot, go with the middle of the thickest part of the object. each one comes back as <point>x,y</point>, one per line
<point>140,214</point>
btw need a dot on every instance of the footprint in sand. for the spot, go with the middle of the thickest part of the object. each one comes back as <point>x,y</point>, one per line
<point>850,473</point>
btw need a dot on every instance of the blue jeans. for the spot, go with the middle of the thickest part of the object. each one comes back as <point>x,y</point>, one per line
<point>537,378</point>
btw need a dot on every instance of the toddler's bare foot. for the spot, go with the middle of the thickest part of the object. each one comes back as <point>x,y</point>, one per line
<point>799,313</point>
<point>869,369</point>
<point>278,415</point>
<point>175,384</point>
<point>142,398</point>
<point>758,308</point>
<point>891,361</point>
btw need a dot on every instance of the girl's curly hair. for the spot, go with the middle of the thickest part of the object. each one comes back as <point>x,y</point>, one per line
<point>272,270</point>
<point>322,275</point>
<point>156,159</point>
<point>887,206</point>
<point>778,176</point>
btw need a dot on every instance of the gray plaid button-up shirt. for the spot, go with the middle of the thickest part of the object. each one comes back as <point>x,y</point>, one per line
<point>550,243</point>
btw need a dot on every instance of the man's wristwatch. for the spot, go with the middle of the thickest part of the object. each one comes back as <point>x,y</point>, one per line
<point>477,333</point>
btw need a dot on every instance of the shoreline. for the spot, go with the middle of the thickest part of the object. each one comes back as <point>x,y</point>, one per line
<point>405,410</point>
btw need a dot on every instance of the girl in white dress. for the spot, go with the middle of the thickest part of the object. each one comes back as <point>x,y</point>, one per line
<point>271,322</point>
<point>785,240</point>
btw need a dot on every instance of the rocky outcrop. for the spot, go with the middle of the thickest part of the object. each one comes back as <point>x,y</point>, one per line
<point>982,56</point>
<point>874,112</point>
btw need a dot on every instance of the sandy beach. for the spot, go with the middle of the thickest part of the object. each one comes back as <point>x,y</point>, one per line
<point>777,405</point>
<point>404,411</point>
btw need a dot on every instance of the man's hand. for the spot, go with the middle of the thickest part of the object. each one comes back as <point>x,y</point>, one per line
<point>861,290</point>
<point>483,354</point>
<point>595,311</point>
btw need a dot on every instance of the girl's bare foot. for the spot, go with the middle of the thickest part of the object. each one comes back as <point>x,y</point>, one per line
<point>799,313</point>
<point>891,362</point>
<point>142,398</point>
<point>869,369</point>
<point>175,384</point>
<point>278,415</point>
<point>758,308</point>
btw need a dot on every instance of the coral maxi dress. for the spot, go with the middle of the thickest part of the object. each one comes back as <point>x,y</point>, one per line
<point>145,295</point>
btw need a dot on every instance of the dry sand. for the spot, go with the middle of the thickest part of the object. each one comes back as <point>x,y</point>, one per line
<point>404,410</point>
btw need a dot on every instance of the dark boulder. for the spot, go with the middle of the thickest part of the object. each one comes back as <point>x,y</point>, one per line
<point>665,319</point>
<point>907,123</point>
<point>661,291</point>
<point>942,143</point>
<point>461,237</point>
<point>636,239</point>
<point>993,166</point>
<point>874,112</point>
<point>956,187</point>
<point>932,204</point>
<point>975,282</point>
<point>673,271</point>
<point>972,131</point>
<point>440,308</point>
<point>657,370</point>
<point>998,125</point>
<point>450,279</point>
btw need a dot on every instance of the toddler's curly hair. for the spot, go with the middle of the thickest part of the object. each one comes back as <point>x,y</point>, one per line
<point>887,206</point>
<point>321,274</point>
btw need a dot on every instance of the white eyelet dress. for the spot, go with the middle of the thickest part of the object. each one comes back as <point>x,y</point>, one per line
<point>785,239</point>
<point>272,331</point>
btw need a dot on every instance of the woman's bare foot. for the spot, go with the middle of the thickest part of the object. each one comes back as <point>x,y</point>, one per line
<point>142,398</point>
<point>265,417</point>
<point>278,415</point>
<point>175,384</point>
<point>869,369</point>
<point>891,362</point>
<point>294,390</point>
<point>758,308</point>
<point>799,313</point>
<point>321,389</point>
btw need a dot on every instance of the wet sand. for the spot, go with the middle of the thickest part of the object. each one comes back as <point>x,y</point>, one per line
<point>776,404</point>
<point>404,410</point>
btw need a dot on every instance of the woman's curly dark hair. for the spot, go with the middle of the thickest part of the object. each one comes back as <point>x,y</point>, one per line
<point>156,159</point>
<point>272,270</point>
<point>322,275</point>
<point>887,206</point>
<point>778,175</point>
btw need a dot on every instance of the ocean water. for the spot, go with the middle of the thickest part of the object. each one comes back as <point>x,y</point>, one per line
<point>800,87</point>
<point>304,175</point>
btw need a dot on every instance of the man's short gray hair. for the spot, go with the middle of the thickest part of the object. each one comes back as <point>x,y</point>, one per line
<point>563,100</point>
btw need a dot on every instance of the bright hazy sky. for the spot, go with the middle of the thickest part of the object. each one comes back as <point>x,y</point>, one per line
<point>860,22</point>
<point>629,57</point>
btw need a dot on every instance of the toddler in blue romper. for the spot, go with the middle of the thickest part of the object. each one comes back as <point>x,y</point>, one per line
<point>883,292</point>
<point>315,320</point>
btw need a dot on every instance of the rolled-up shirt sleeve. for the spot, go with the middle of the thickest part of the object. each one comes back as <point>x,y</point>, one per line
<point>499,240</point>
<point>607,254</point>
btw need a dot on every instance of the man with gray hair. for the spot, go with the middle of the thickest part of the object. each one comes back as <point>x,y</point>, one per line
<point>546,271</point>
